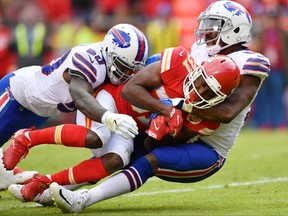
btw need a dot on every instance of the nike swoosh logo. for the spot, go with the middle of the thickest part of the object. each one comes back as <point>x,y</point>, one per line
<point>181,53</point>
<point>92,61</point>
<point>63,197</point>
<point>155,126</point>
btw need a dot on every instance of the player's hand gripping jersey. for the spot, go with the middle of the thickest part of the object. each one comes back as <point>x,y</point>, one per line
<point>176,63</point>
<point>43,90</point>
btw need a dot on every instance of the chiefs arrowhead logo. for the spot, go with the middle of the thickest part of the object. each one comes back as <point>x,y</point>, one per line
<point>193,119</point>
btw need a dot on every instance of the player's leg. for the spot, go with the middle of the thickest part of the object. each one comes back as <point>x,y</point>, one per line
<point>72,175</point>
<point>91,170</point>
<point>23,140</point>
<point>110,158</point>
<point>179,159</point>
<point>181,163</point>
<point>125,181</point>
<point>121,183</point>
<point>187,162</point>
<point>68,135</point>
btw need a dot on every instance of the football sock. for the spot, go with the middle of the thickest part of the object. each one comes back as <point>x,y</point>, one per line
<point>87,171</point>
<point>66,134</point>
<point>126,181</point>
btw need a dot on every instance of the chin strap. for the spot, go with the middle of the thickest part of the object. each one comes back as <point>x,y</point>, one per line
<point>214,49</point>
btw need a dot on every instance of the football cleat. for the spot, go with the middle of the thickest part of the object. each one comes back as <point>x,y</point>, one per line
<point>17,149</point>
<point>44,198</point>
<point>17,175</point>
<point>69,201</point>
<point>33,187</point>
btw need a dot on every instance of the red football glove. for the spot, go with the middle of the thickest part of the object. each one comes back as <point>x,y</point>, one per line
<point>175,122</point>
<point>158,128</point>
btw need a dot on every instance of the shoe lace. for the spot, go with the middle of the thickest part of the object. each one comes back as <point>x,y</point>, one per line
<point>77,197</point>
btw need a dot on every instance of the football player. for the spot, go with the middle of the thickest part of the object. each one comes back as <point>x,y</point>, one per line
<point>207,85</point>
<point>224,28</point>
<point>112,152</point>
<point>30,95</point>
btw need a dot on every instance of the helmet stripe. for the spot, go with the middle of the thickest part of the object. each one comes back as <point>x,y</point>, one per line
<point>142,45</point>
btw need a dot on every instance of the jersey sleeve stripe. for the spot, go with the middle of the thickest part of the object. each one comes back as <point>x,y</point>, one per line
<point>257,65</point>
<point>256,68</point>
<point>262,61</point>
<point>166,59</point>
<point>85,67</point>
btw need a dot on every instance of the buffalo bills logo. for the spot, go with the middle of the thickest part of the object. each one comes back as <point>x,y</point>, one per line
<point>230,6</point>
<point>120,38</point>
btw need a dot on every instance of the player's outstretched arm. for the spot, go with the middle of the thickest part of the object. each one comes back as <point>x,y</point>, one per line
<point>81,92</point>
<point>137,90</point>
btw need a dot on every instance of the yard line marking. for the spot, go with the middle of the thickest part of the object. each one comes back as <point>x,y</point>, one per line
<point>266,181</point>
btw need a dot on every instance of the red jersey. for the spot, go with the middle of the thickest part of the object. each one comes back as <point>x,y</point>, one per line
<point>176,63</point>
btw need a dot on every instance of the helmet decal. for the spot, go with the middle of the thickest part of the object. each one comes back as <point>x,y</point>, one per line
<point>121,38</point>
<point>230,6</point>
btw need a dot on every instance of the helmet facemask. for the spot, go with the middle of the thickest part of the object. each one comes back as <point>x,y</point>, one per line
<point>193,96</point>
<point>212,24</point>
<point>120,71</point>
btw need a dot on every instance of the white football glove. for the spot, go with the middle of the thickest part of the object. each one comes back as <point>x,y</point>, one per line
<point>121,124</point>
<point>180,104</point>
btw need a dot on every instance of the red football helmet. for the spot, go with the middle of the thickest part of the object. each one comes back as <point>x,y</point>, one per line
<point>220,73</point>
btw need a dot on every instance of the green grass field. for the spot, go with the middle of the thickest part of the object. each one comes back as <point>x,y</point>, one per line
<point>254,181</point>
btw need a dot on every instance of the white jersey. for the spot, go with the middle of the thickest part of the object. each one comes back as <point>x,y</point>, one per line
<point>43,90</point>
<point>249,62</point>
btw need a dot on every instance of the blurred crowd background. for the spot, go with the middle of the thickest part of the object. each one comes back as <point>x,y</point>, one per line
<point>33,32</point>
